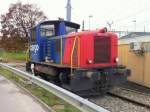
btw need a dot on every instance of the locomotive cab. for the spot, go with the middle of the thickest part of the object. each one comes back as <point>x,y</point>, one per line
<point>43,46</point>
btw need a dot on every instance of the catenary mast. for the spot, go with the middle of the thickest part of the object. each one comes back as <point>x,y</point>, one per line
<point>68,7</point>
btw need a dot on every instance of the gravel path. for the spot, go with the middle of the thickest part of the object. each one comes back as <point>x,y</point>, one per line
<point>20,65</point>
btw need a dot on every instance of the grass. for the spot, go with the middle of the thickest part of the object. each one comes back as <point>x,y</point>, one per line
<point>13,56</point>
<point>47,97</point>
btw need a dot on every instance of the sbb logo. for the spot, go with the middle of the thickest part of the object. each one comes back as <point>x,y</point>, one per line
<point>34,48</point>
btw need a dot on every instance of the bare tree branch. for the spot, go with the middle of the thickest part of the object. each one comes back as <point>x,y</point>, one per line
<point>19,18</point>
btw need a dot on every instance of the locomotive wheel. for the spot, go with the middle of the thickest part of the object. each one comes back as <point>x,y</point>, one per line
<point>64,78</point>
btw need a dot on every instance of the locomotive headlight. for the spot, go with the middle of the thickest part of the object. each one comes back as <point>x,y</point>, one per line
<point>89,61</point>
<point>117,59</point>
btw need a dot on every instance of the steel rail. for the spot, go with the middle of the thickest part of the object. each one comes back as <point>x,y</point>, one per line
<point>82,104</point>
<point>134,90</point>
<point>129,100</point>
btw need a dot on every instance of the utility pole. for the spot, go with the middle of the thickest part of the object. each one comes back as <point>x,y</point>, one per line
<point>144,28</point>
<point>134,21</point>
<point>90,16</point>
<point>83,25</point>
<point>68,10</point>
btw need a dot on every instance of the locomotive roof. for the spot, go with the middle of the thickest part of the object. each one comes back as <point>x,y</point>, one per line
<point>67,23</point>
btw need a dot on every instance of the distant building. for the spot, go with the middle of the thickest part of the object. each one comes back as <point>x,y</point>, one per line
<point>120,33</point>
<point>134,52</point>
<point>135,34</point>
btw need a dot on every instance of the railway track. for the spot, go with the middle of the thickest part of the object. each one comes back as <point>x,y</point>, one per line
<point>142,92</point>
<point>136,87</point>
<point>116,102</point>
<point>129,100</point>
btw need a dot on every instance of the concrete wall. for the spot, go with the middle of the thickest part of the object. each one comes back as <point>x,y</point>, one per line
<point>139,65</point>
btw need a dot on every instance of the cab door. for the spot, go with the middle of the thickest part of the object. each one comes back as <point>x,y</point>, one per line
<point>34,45</point>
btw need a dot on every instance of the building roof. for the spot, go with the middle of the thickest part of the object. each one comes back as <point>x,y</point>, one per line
<point>135,34</point>
<point>135,37</point>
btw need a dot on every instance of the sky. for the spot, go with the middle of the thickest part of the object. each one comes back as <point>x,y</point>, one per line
<point>121,13</point>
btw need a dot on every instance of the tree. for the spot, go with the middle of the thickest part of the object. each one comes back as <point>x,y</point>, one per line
<point>19,18</point>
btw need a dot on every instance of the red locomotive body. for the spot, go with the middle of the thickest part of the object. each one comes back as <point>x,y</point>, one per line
<point>93,49</point>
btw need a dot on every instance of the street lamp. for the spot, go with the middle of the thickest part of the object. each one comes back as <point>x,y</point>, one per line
<point>90,16</point>
<point>134,21</point>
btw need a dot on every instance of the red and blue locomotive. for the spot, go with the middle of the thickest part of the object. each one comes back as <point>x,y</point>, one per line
<point>84,62</point>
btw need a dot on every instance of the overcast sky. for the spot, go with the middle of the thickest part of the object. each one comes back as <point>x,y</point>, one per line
<point>121,12</point>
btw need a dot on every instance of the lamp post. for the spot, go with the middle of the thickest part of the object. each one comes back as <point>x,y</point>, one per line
<point>90,16</point>
<point>134,21</point>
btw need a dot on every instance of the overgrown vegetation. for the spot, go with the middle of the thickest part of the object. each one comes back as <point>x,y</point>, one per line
<point>41,93</point>
<point>13,56</point>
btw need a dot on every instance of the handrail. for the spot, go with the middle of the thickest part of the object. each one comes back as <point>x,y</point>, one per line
<point>72,51</point>
<point>27,55</point>
<point>61,51</point>
<point>82,104</point>
<point>78,51</point>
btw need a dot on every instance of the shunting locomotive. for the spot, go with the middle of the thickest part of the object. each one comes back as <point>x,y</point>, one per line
<point>84,62</point>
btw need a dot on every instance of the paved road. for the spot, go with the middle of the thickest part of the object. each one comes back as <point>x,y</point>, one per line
<point>13,99</point>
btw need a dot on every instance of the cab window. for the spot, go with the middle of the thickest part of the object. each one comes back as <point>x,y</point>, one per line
<point>70,29</point>
<point>47,30</point>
